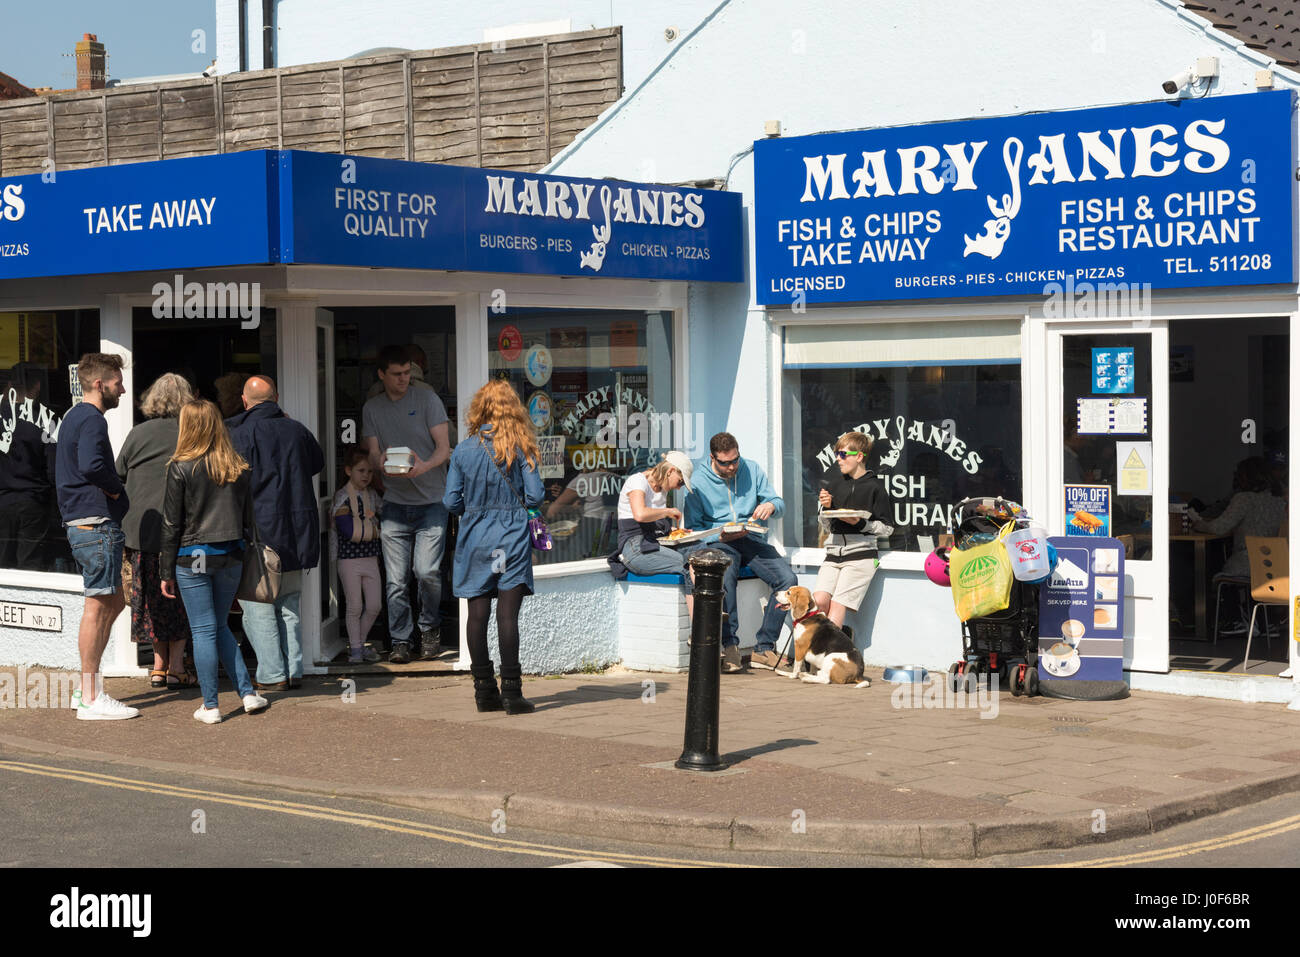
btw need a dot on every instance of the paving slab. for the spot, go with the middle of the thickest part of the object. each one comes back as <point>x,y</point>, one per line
<point>595,758</point>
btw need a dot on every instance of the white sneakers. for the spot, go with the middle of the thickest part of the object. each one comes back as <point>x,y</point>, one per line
<point>103,708</point>
<point>253,703</point>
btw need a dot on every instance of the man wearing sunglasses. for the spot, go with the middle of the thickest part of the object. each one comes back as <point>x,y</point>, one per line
<point>733,489</point>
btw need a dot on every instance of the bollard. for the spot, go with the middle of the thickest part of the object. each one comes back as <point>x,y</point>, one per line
<point>700,747</point>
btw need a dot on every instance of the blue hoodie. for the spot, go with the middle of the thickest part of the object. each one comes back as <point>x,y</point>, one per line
<point>714,501</point>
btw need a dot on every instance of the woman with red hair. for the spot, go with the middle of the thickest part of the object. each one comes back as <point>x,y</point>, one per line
<point>492,482</point>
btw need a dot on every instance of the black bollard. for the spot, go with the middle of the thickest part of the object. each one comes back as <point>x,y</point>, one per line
<point>700,748</point>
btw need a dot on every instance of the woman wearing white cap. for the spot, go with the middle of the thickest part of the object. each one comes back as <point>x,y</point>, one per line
<point>644,515</point>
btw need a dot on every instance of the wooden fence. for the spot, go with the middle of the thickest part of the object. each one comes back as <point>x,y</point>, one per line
<point>510,106</point>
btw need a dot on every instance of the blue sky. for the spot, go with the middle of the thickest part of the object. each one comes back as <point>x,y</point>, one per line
<point>142,37</point>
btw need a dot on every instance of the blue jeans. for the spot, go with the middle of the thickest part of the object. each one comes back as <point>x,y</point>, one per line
<point>98,551</point>
<point>769,565</point>
<point>274,631</point>
<point>207,602</point>
<point>662,561</point>
<point>418,531</point>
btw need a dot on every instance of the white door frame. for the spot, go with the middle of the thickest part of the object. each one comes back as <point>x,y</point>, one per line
<point>1146,627</point>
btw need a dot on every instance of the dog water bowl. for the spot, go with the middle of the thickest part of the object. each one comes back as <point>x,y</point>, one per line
<point>909,674</point>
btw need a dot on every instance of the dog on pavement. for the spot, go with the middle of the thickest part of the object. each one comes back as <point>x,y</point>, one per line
<point>819,643</point>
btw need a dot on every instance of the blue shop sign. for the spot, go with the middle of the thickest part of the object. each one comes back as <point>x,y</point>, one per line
<point>200,211</point>
<point>284,206</point>
<point>1190,192</point>
<point>353,210</point>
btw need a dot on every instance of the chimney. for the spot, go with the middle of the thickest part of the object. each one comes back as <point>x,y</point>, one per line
<point>90,63</point>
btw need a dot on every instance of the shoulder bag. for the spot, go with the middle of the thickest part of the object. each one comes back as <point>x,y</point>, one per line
<point>538,533</point>
<point>260,579</point>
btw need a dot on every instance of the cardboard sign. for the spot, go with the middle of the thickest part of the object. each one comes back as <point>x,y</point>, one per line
<point>551,448</point>
<point>1081,611</point>
<point>1087,510</point>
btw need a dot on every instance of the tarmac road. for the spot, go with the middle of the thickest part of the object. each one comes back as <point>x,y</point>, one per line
<point>63,812</point>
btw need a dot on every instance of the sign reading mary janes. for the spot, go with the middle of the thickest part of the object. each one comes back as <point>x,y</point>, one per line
<point>1192,192</point>
<point>288,206</point>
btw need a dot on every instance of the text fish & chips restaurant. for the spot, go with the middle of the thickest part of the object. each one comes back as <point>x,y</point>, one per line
<point>305,265</point>
<point>1092,313</point>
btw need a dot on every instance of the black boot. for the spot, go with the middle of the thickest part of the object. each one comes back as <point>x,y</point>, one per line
<point>486,695</point>
<point>512,695</point>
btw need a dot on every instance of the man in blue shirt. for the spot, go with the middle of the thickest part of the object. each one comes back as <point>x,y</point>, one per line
<point>92,503</point>
<point>732,489</point>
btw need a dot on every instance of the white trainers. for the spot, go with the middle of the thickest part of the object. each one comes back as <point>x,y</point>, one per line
<point>103,708</point>
<point>208,715</point>
<point>254,703</point>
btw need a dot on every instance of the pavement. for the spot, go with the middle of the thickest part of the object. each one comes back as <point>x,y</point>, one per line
<point>878,771</point>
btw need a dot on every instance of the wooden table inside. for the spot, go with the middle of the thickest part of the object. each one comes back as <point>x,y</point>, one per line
<point>1200,587</point>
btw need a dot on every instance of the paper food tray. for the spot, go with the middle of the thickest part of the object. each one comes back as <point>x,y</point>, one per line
<point>687,539</point>
<point>710,532</point>
<point>846,513</point>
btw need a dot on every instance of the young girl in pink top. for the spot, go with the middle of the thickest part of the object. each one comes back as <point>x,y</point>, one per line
<point>356,529</point>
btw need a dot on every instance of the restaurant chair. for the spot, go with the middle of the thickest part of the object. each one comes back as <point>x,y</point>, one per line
<point>1234,581</point>
<point>1269,582</point>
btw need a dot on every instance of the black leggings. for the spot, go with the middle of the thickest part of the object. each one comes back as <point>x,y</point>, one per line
<point>480,609</point>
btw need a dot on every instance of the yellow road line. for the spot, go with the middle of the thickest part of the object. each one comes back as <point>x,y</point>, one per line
<point>375,821</point>
<point>1196,847</point>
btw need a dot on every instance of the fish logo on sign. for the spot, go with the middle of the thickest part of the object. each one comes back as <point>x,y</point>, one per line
<point>998,230</point>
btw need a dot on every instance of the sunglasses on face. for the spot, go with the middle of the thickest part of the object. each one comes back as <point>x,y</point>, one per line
<point>727,463</point>
<point>842,455</point>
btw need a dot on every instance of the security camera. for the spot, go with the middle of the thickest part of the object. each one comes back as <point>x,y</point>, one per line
<point>1179,80</point>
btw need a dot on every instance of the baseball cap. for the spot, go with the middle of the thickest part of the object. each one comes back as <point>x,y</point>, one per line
<point>681,463</point>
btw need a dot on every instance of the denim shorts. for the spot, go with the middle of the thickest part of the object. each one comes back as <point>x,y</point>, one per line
<point>98,551</point>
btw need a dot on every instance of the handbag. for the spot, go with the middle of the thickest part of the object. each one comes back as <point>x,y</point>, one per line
<point>538,534</point>
<point>260,579</point>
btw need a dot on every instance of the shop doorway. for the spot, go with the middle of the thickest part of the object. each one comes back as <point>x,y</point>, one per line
<point>348,345</point>
<point>216,356</point>
<point>1109,419</point>
<point>1229,395</point>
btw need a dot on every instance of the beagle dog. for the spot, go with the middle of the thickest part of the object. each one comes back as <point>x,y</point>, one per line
<point>819,643</point>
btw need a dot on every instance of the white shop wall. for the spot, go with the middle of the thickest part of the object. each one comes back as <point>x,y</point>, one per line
<point>847,65</point>
<point>312,31</point>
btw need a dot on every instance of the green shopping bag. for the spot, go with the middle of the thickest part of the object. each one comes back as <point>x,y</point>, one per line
<point>981,577</point>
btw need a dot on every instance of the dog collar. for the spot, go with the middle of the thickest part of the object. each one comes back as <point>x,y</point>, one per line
<point>812,614</point>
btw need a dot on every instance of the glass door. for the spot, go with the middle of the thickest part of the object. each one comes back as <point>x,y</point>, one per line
<point>1109,429</point>
<point>331,642</point>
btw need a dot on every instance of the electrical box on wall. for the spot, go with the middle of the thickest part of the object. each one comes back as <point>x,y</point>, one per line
<point>1207,67</point>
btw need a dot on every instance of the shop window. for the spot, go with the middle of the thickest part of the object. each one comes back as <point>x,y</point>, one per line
<point>38,356</point>
<point>941,433</point>
<point>599,387</point>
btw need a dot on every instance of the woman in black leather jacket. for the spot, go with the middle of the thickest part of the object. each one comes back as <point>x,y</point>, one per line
<point>206,509</point>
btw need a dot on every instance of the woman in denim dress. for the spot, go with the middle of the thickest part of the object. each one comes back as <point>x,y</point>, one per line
<point>491,483</point>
